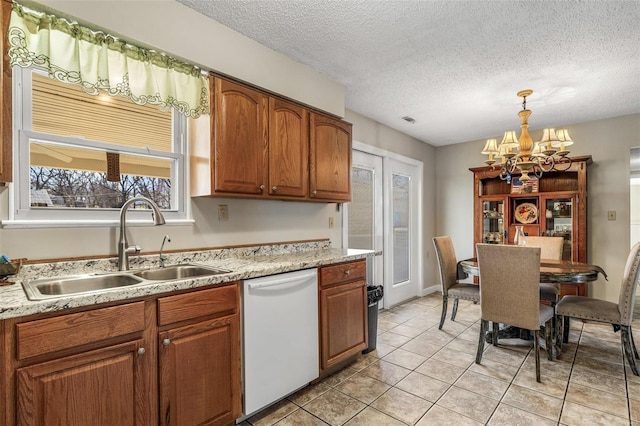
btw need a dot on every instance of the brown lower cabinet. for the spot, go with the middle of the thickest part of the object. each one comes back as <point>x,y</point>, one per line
<point>172,360</point>
<point>200,361</point>
<point>101,387</point>
<point>343,314</point>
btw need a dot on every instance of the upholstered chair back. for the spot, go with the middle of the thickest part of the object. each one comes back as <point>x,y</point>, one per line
<point>446,261</point>
<point>550,247</point>
<point>509,290</point>
<point>630,281</point>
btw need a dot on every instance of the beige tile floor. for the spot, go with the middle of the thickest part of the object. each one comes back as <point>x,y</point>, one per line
<point>419,375</point>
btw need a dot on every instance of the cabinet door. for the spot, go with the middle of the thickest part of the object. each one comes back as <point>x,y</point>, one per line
<point>102,387</point>
<point>492,226</point>
<point>560,220</point>
<point>5,96</point>
<point>200,373</point>
<point>343,322</point>
<point>239,139</point>
<point>288,149</point>
<point>330,159</point>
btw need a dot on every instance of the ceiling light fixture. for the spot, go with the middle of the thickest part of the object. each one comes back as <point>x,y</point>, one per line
<point>522,155</point>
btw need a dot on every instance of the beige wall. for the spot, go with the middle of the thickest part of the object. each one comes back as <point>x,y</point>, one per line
<point>607,141</point>
<point>375,134</point>
<point>174,28</point>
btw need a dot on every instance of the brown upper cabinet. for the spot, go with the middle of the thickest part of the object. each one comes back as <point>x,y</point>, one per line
<point>288,149</point>
<point>239,139</point>
<point>330,159</point>
<point>5,95</point>
<point>263,146</point>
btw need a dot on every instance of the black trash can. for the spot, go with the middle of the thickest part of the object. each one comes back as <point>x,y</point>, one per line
<point>374,294</point>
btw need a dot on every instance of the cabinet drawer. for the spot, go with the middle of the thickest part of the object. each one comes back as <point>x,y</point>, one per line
<point>216,301</point>
<point>342,273</point>
<point>67,331</point>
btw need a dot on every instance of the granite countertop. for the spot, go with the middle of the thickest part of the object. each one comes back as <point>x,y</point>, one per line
<point>243,263</point>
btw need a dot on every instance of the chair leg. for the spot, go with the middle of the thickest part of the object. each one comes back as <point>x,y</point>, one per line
<point>633,343</point>
<point>565,329</point>
<point>628,352</point>
<point>483,331</point>
<point>444,311</point>
<point>494,335</point>
<point>547,338</point>
<point>455,309</point>
<point>558,335</point>
<point>536,346</point>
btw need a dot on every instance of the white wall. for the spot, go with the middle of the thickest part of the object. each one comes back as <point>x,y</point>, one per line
<point>375,134</point>
<point>607,141</point>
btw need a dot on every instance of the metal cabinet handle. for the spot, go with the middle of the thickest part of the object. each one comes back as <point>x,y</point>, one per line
<point>261,187</point>
<point>347,272</point>
<point>314,193</point>
<point>166,342</point>
<point>141,351</point>
<point>274,188</point>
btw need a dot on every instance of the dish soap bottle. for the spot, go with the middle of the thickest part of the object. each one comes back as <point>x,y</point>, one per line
<point>520,239</point>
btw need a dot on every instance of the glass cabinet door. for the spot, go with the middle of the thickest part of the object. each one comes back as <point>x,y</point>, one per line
<point>493,221</point>
<point>559,221</point>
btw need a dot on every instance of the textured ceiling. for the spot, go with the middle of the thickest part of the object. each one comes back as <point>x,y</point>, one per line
<point>455,66</point>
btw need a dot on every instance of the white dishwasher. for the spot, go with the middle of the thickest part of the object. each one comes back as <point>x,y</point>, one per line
<point>280,344</point>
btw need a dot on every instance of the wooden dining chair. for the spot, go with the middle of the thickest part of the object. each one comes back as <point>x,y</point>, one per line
<point>618,314</point>
<point>509,294</point>
<point>450,286</point>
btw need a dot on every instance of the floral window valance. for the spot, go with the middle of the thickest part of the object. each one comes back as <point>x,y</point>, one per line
<point>99,62</point>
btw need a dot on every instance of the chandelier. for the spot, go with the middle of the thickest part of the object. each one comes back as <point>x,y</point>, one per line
<point>524,156</point>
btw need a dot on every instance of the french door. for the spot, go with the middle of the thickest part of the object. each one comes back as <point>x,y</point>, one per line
<point>384,214</point>
<point>365,211</point>
<point>402,231</point>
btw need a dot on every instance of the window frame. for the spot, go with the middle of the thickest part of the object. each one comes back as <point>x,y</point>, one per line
<point>20,212</point>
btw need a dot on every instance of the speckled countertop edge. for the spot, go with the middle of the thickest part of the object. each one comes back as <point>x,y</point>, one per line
<point>244,263</point>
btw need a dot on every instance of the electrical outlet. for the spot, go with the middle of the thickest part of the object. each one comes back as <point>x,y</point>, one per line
<point>331,223</point>
<point>223,213</point>
<point>611,215</point>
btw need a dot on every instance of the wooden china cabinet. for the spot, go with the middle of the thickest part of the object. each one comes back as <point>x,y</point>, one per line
<point>554,205</point>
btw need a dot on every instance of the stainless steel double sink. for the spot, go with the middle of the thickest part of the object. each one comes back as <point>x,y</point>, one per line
<point>48,288</point>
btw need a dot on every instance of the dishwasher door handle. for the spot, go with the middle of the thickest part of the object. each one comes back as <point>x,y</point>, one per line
<point>300,279</point>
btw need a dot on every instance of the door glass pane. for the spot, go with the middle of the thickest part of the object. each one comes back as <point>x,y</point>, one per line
<point>493,222</point>
<point>400,193</point>
<point>559,222</point>
<point>361,209</point>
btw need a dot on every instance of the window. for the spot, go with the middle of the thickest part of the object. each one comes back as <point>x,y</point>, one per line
<point>79,157</point>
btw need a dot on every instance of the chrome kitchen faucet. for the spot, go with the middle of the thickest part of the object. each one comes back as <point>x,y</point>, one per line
<point>123,246</point>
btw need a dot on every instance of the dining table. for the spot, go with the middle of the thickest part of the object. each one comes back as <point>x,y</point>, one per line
<point>552,271</point>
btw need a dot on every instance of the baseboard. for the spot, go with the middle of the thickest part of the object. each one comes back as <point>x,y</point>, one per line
<point>429,290</point>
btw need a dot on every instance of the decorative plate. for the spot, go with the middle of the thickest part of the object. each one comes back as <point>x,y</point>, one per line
<point>526,213</point>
